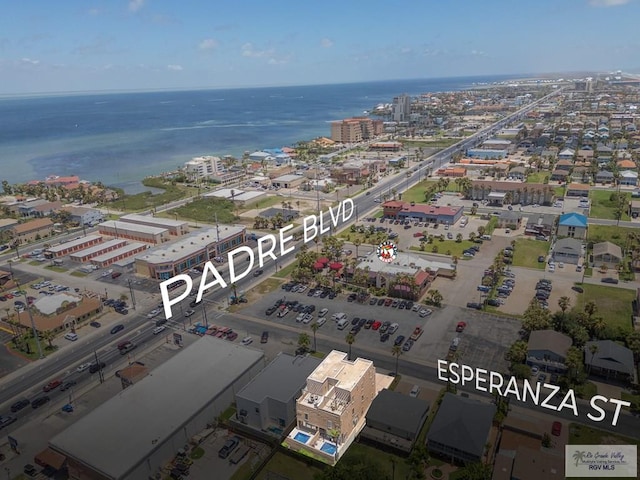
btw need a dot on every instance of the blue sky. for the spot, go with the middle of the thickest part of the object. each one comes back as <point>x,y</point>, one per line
<point>86,45</point>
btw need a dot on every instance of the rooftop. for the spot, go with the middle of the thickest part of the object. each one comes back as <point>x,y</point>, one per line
<point>335,366</point>
<point>397,409</point>
<point>162,222</point>
<point>99,247</point>
<point>573,219</point>
<point>139,419</point>
<point>190,244</point>
<point>131,227</point>
<point>283,378</point>
<point>551,340</point>
<point>48,304</point>
<point>128,248</point>
<point>73,243</point>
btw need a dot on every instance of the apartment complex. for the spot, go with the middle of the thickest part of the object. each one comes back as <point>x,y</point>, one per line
<point>401,108</point>
<point>331,410</point>
<point>356,129</point>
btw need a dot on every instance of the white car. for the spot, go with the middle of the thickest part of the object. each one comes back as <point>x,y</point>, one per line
<point>188,313</point>
<point>323,312</point>
<point>83,367</point>
<point>393,328</point>
<point>321,321</point>
<point>159,329</point>
<point>425,312</point>
<point>300,317</point>
<point>307,318</point>
<point>153,313</point>
<point>415,308</point>
<point>247,341</point>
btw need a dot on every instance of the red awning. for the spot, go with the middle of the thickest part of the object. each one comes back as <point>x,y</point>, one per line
<point>335,266</point>
<point>323,260</point>
<point>318,265</point>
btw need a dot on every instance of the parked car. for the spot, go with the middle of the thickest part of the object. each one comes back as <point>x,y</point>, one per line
<point>264,338</point>
<point>51,385</point>
<point>461,326</point>
<point>95,324</point>
<point>556,429</point>
<point>399,340</point>
<point>475,305</point>
<point>247,341</point>
<point>393,328</point>
<point>228,447</point>
<point>610,280</point>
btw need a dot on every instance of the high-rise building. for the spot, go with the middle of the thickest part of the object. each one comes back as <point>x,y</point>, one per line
<point>202,167</point>
<point>401,108</point>
<point>356,129</point>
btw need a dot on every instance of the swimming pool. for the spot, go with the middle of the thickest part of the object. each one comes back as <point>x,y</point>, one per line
<point>301,437</point>
<point>329,448</point>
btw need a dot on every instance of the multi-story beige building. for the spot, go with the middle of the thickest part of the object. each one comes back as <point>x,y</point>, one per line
<point>356,129</point>
<point>331,410</point>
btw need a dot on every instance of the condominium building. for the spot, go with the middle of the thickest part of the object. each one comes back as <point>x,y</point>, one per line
<point>331,410</point>
<point>205,166</point>
<point>356,129</point>
<point>401,108</point>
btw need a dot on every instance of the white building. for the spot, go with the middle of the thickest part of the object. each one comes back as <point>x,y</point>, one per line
<point>401,108</point>
<point>203,167</point>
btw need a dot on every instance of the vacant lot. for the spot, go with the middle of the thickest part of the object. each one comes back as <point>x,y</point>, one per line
<point>205,210</point>
<point>610,233</point>
<point>537,177</point>
<point>446,247</point>
<point>614,304</point>
<point>603,207</point>
<point>527,251</point>
<point>416,193</point>
<point>288,467</point>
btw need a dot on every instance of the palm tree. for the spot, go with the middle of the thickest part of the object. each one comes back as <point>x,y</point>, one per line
<point>396,351</point>
<point>593,348</point>
<point>48,336</point>
<point>356,243</point>
<point>314,329</point>
<point>350,338</point>
<point>564,302</point>
<point>304,341</point>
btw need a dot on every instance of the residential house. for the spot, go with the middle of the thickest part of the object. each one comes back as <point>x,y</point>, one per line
<point>84,215</point>
<point>268,402</point>
<point>559,175</point>
<point>526,463</point>
<point>510,219</point>
<point>585,155</point>
<point>634,208</point>
<point>566,154</point>
<point>461,429</point>
<point>565,165</point>
<point>629,178</point>
<point>541,224</point>
<point>604,176</point>
<point>568,250</point>
<point>572,225</point>
<point>38,208</point>
<point>606,253</point>
<point>32,230</point>
<point>517,173</point>
<point>626,165</point>
<point>547,349</point>
<point>332,409</point>
<point>580,174</point>
<point>577,190</point>
<point>610,359</point>
<point>395,420</point>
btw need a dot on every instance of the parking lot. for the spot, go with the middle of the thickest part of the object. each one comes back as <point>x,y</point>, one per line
<point>484,341</point>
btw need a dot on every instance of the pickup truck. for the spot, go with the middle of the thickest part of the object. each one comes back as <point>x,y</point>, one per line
<point>417,332</point>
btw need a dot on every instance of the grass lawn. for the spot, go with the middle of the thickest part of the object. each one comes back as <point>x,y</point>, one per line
<point>33,348</point>
<point>527,251</point>
<point>559,191</point>
<point>439,142</point>
<point>267,202</point>
<point>288,467</point>
<point>78,274</point>
<point>370,239</point>
<point>583,435</point>
<point>633,399</point>
<point>614,304</point>
<point>602,207</point>
<point>610,233</point>
<point>146,200</point>
<point>383,459</point>
<point>451,246</point>
<point>537,177</point>
<point>205,210</point>
<point>286,271</point>
<point>56,269</point>
<point>416,193</point>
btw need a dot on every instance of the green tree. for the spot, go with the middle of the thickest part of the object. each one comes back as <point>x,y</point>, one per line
<point>476,471</point>
<point>304,341</point>
<point>314,328</point>
<point>350,339</point>
<point>517,352</point>
<point>396,351</point>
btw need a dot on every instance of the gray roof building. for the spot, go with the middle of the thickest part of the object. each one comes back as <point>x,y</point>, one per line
<point>548,349</point>
<point>269,399</point>
<point>395,419</point>
<point>610,358</point>
<point>461,429</point>
<point>132,435</point>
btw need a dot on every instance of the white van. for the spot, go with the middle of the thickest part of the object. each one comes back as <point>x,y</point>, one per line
<point>415,391</point>
<point>486,237</point>
<point>71,336</point>
<point>339,316</point>
<point>342,324</point>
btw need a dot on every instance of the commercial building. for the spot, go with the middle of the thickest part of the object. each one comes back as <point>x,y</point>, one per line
<point>192,250</point>
<point>498,193</point>
<point>395,419</point>
<point>176,228</point>
<point>332,409</point>
<point>135,232</point>
<point>422,212</point>
<point>135,433</point>
<point>288,181</point>
<point>100,248</point>
<point>122,253</point>
<point>62,311</point>
<point>268,401</point>
<point>73,246</point>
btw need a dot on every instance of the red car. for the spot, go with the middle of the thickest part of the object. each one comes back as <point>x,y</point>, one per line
<point>461,326</point>
<point>388,302</point>
<point>231,336</point>
<point>51,385</point>
<point>556,428</point>
<point>376,325</point>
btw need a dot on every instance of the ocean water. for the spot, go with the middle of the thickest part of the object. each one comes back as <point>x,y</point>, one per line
<point>119,138</point>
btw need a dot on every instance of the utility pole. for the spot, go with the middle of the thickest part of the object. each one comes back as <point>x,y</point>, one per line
<point>133,297</point>
<point>100,374</point>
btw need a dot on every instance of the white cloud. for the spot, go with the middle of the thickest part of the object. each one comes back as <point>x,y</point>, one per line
<point>248,50</point>
<point>208,44</point>
<point>326,43</point>
<point>135,5</point>
<point>175,68</point>
<point>478,53</point>
<point>30,61</point>
<point>607,3</point>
